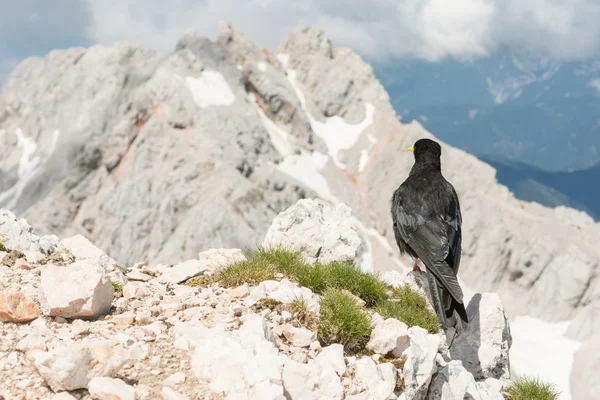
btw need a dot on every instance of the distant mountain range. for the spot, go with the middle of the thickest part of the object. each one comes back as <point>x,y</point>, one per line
<point>537,123</point>
<point>544,114</point>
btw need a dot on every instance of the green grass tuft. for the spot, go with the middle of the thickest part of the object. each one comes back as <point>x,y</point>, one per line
<point>341,275</point>
<point>261,265</point>
<point>410,307</point>
<point>117,286</point>
<point>531,389</point>
<point>403,303</point>
<point>342,321</point>
<point>2,247</point>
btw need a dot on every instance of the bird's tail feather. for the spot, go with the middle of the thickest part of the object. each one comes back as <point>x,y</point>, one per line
<point>436,299</point>
<point>444,304</point>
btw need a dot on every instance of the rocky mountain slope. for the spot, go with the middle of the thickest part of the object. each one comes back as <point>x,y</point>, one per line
<point>75,325</point>
<point>156,157</point>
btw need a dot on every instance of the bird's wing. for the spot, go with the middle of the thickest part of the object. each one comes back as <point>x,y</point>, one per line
<point>433,236</point>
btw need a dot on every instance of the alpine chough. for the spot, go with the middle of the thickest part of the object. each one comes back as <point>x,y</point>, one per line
<point>427,225</point>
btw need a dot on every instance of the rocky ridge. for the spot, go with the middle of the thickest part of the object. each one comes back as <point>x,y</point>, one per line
<point>158,156</point>
<point>150,333</point>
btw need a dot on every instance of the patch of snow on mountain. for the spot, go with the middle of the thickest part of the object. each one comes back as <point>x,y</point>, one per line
<point>335,132</point>
<point>279,137</point>
<point>210,89</point>
<point>540,349</point>
<point>306,168</point>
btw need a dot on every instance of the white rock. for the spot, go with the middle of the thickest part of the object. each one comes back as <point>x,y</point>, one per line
<point>81,289</point>
<point>454,382</point>
<point>484,346</point>
<point>420,363</point>
<point>136,275</point>
<point>298,337</point>
<point>389,335</point>
<point>63,396</point>
<point>310,381</point>
<point>33,341</point>
<point>332,356</point>
<point>170,394</point>
<point>232,362</point>
<point>83,249</point>
<point>214,259</point>
<point>285,292</point>
<point>175,379</point>
<point>117,276</point>
<point>181,272</point>
<point>71,366</point>
<point>319,230</point>
<point>134,290</point>
<point>379,379</point>
<point>103,388</point>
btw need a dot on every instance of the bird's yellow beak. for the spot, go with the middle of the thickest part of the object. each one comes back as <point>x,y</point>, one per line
<point>411,149</point>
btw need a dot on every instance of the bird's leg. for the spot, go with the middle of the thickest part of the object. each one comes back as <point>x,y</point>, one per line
<point>416,266</point>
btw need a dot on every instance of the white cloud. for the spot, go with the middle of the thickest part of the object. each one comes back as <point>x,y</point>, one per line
<point>595,83</point>
<point>379,29</point>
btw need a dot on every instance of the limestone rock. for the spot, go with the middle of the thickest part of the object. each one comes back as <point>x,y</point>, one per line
<point>322,232</point>
<point>310,381</point>
<point>214,259</point>
<point>298,337</point>
<point>182,272</point>
<point>16,307</point>
<point>454,382</point>
<point>584,379</point>
<point>420,364</point>
<point>103,388</point>
<point>484,346</point>
<point>72,366</point>
<point>83,249</point>
<point>284,291</point>
<point>333,356</point>
<point>379,379</point>
<point>79,290</point>
<point>389,335</point>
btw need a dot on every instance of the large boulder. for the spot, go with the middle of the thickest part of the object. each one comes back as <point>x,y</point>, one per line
<point>321,231</point>
<point>79,290</point>
<point>484,346</point>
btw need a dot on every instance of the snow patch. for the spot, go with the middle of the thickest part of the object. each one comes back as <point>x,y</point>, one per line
<point>364,159</point>
<point>279,137</point>
<point>336,133</point>
<point>210,89</point>
<point>262,66</point>
<point>305,168</point>
<point>540,349</point>
<point>284,59</point>
<point>28,163</point>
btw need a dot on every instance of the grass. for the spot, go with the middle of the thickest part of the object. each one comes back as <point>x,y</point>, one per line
<point>117,286</point>
<point>306,319</point>
<point>531,389</point>
<point>409,307</point>
<point>343,321</point>
<point>2,247</point>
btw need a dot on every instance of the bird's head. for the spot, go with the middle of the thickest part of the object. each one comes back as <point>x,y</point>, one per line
<point>426,150</point>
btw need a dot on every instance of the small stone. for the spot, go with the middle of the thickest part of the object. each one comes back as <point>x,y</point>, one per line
<point>169,394</point>
<point>286,315</point>
<point>182,272</point>
<point>389,335</point>
<point>103,388</point>
<point>22,264</point>
<point>134,290</point>
<point>126,318</point>
<point>239,292</point>
<point>136,275</point>
<point>299,337</point>
<point>316,345</point>
<point>175,379</point>
<point>18,308</point>
<point>63,396</point>
<point>214,259</point>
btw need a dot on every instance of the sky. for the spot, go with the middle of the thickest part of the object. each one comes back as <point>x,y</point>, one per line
<point>380,30</point>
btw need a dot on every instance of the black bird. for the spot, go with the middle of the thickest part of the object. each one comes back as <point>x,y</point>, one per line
<point>427,225</point>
